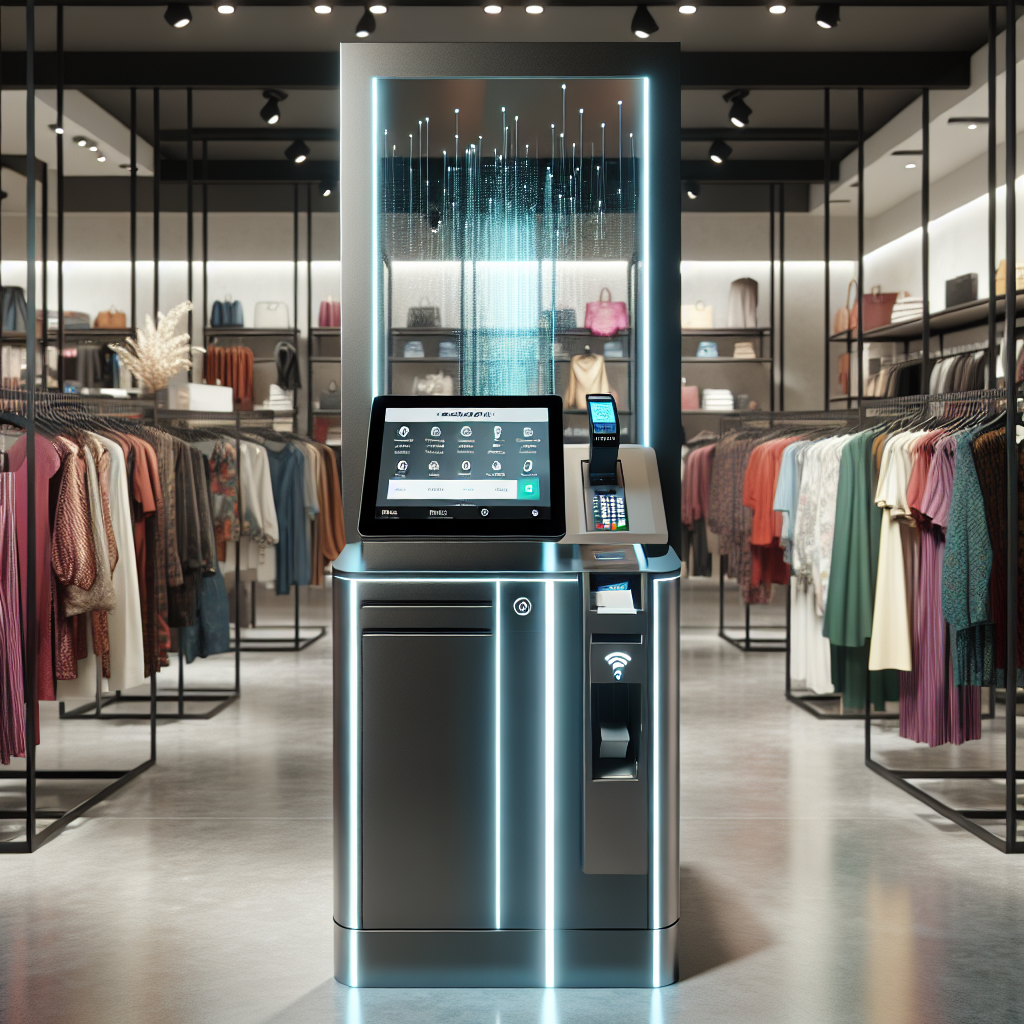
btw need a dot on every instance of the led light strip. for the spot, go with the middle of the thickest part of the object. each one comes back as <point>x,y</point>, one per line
<point>549,784</point>
<point>375,218</point>
<point>647,263</point>
<point>353,781</point>
<point>497,755</point>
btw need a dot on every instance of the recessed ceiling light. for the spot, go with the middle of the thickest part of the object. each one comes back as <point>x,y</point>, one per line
<point>81,140</point>
<point>492,9</point>
<point>297,152</point>
<point>366,24</point>
<point>910,166</point>
<point>177,15</point>
<point>322,8</point>
<point>534,9</point>
<point>827,16</point>
<point>644,26</point>
<point>378,9</point>
<point>225,9</point>
<point>971,127</point>
<point>777,9</point>
<point>720,151</point>
<point>101,159</point>
<point>93,148</point>
<point>688,9</point>
<point>56,129</point>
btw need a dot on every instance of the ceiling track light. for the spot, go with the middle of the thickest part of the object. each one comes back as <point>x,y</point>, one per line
<point>644,26</point>
<point>719,152</point>
<point>326,188</point>
<point>101,159</point>
<point>971,122</point>
<point>776,8</point>
<point>297,152</point>
<point>271,112</point>
<point>693,189</point>
<point>827,16</point>
<point>688,9</point>
<point>177,15</point>
<point>367,23</point>
<point>739,112</point>
<point>492,8</point>
<point>56,129</point>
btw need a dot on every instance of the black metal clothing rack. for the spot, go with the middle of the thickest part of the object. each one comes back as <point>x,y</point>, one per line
<point>909,780</point>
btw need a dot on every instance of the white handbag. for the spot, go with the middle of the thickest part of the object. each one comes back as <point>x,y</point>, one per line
<point>271,314</point>
<point>697,317</point>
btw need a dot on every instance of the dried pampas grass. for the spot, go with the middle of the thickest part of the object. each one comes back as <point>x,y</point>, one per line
<point>158,353</point>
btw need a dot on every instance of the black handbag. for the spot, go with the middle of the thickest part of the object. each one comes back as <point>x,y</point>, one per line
<point>961,289</point>
<point>287,360</point>
<point>423,316</point>
<point>13,309</point>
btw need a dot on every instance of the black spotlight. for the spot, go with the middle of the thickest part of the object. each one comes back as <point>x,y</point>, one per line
<point>326,188</point>
<point>644,24</point>
<point>692,189</point>
<point>297,152</point>
<point>367,23</point>
<point>739,112</point>
<point>271,112</point>
<point>827,16</point>
<point>719,152</point>
<point>177,15</point>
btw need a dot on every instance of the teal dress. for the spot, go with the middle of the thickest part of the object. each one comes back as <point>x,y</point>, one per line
<point>851,589</point>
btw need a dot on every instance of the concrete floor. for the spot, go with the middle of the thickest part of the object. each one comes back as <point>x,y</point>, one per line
<point>812,890</point>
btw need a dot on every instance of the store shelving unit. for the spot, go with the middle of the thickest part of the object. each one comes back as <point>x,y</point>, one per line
<point>723,371</point>
<point>321,338</point>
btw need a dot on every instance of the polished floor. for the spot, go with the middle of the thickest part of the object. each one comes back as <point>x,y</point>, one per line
<point>812,890</point>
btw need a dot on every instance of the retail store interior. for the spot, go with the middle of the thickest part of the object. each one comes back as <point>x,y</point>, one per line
<point>285,737</point>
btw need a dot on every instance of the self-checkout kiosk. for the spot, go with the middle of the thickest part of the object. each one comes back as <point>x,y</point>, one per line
<point>506,627</point>
<point>506,715</point>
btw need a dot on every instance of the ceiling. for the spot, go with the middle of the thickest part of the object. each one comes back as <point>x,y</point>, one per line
<point>939,33</point>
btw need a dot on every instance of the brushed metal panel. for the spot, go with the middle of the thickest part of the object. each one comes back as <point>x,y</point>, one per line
<point>427,616</point>
<point>427,781</point>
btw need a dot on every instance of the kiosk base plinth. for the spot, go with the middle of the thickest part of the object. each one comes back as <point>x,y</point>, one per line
<point>513,958</point>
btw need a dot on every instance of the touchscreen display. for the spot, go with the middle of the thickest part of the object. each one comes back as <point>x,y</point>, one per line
<point>602,417</point>
<point>476,462</point>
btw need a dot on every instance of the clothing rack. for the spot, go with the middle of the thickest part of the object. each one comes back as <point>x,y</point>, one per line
<point>18,403</point>
<point>767,420</point>
<point>910,780</point>
<point>182,694</point>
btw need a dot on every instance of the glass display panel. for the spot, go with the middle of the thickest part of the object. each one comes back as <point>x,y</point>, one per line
<point>508,239</point>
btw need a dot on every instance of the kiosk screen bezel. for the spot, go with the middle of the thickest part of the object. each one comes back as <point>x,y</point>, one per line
<point>551,528</point>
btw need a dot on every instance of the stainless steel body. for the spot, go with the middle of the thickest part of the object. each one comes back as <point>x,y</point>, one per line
<point>483,837</point>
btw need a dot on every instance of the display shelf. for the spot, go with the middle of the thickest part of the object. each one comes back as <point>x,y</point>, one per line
<point>607,359</point>
<point>585,332</point>
<point>246,332</point>
<point>709,412</point>
<point>325,359</point>
<point>724,332</point>
<point>719,359</point>
<point>424,330</point>
<point>336,413</point>
<point>955,318</point>
<point>424,359</point>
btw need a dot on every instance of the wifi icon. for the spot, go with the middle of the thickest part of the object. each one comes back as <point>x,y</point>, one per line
<point>618,661</point>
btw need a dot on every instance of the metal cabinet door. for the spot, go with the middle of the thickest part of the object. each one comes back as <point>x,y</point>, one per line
<point>428,859</point>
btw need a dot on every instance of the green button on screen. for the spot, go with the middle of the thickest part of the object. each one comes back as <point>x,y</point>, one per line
<point>529,490</point>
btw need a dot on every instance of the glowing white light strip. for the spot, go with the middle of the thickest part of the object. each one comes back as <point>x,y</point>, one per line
<point>549,784</point>
<point>497,755</point>
<point>465,579</point>
<point>646,302</point>
<point>374,217</point>
<point>353,781</point>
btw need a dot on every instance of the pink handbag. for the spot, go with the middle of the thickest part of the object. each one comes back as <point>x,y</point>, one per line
<point>605,319</point>
<point>690,396</point>
<point>330,313</point>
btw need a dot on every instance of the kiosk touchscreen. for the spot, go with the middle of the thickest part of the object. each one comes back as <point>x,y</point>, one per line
<point>486,467</point>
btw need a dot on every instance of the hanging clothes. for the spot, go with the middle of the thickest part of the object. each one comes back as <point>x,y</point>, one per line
<point>12,689</point>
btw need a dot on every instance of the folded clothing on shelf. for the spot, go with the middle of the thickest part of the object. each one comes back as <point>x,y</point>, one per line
<point>717,400</point>
<point>906,307</point>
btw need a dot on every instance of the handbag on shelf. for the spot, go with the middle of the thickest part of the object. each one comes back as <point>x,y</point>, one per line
<point>613,350</point>
<point>876,310</point>
<point>605,318</point>
<point>111,319</point>
<point>690,397</point>
<point>697,317</point>
<point>565,320</point>
<point>963,289</point>
<point>330,400</point>
<point>448,350</point>
<point>423,315</point>
<point>413,350</point>
<point>841,321</point>
<point>271,315</point>
<point>744,350</point>
<point>1001,278</point>
<point>287,361</point>
<point>227,313</point>
<point>433,384</point>
<point>707,350</point>
<point>330,312</point>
